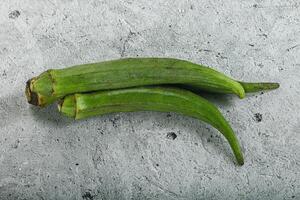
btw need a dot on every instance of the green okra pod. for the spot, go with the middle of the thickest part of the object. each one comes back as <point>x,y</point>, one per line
<point>162,99</point>
<point>124,73</point>
<point>131,72</point>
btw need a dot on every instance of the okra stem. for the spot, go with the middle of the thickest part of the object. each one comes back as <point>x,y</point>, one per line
<point>160,99</point>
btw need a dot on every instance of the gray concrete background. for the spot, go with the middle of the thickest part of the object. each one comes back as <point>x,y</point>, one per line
<point>135,156</point>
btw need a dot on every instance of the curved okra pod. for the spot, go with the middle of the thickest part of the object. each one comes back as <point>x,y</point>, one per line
<point>160,99</point>
<point>124,73</point>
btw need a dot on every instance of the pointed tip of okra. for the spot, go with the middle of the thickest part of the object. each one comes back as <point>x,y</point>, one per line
<point>239,91</point>
<point>240,159</point>
<point>272,86</point>
<point>241,94</point>
<point>257,87</point>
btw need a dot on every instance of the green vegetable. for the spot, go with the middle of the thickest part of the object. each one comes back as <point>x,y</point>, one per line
<point>124,73</point>
<point>160,99</point>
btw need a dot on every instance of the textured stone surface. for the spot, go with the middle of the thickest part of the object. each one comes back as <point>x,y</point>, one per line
<point>150,155</point>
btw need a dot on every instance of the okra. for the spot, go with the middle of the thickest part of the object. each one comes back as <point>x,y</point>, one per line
<point>130,72</point>
<point>124,73</point>
<point>256,87</point>
<point>161,99</point>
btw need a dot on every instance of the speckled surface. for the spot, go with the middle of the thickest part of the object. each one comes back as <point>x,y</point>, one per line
<point>137,156</point>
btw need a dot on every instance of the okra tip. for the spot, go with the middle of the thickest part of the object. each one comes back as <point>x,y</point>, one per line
<point>241,94</point>
<point>239,91</point>
<point>240,159</point>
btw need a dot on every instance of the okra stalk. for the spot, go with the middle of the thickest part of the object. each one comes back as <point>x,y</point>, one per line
<point>124,73</point>
<point>162,99</point>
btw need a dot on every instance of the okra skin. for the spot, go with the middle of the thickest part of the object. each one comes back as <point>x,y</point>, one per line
<point>161,99</point>
<point>126,73</point>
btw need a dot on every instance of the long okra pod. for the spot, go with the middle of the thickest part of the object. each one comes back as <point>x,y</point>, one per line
<point>124,73</point>
<point>161,99</point>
